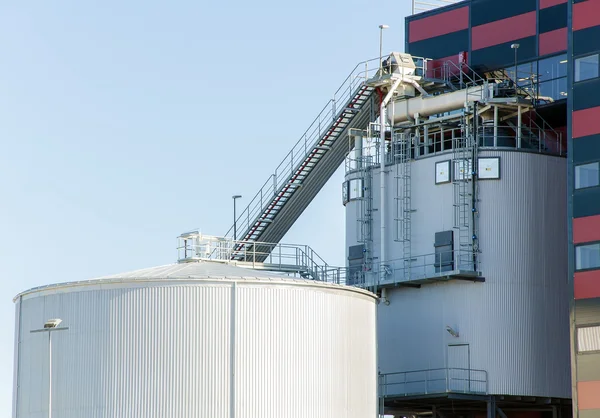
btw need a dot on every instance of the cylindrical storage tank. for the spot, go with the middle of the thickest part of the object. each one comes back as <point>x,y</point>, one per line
<point>196,340</point>
<point>506,335</point>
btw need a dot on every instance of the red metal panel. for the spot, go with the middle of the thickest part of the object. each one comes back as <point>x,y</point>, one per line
<point>586,229</point>
<point>588,395</point>
<point>549,3</point>
<point>587,284</point>
<point>586,14</point>
<point>553,41</point>
<point>586,122</point>
<point>504,30</point>
<point>439,24</point>
<point>435,67</point>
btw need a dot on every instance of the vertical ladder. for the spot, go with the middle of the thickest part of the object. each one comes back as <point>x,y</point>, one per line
<point>365,208</point>
<point>463,195</point>
<point>402,155</point>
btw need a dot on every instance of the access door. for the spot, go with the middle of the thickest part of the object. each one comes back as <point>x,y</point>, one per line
<point>459,368</point>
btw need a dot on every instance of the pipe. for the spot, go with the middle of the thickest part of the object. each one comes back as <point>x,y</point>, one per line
<point>433,105</point>
<point>382,220</point>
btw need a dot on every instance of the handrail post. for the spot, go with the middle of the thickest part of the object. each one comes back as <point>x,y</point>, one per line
<point>333,112</point>
<point>446,370</point>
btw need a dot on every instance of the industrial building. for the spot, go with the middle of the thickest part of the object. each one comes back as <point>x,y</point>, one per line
<point>472,205</point>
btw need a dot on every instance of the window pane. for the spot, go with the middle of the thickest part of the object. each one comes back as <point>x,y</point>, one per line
<point>586,67</point>
<point>553,67</point>
<point>550,91</point>
<point>586,175</point>
<point>587,256</point>
<point>588,339</point>
<point>356,189</point>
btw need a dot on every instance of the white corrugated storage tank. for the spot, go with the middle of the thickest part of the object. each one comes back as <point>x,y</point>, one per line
<point>197,340</point>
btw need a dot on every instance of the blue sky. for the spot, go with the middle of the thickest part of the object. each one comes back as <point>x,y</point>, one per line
<point>125,123</point>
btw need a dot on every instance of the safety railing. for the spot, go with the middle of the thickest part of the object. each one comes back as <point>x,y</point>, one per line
<point>433,381</point>
<point>307,142</point>
<point>500,136</point>
<point>419,6</point>
<point>528,89</point>
<point>422,267</point>
<point>453,73</point>
<point>287,258</point>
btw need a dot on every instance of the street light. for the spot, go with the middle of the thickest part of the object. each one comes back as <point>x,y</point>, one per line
<point>50,326</point>
<point>381,28</point>
<point>235,197</point>
<point>515,47</point>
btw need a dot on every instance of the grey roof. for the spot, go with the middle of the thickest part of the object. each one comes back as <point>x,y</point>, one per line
<point>200,270</point>
<point>195,270</point>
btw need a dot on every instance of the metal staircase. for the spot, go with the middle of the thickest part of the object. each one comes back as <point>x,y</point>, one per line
<point>311,162</point>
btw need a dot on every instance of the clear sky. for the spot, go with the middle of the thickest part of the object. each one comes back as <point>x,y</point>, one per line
<point>124,123</point>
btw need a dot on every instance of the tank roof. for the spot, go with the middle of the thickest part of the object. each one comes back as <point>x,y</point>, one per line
<point>192,271</point>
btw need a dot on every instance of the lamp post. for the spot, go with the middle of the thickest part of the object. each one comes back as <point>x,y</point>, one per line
<point>235,197</point>
<point>381,28</point>
<point>50,326</point>
<point>516,47</point>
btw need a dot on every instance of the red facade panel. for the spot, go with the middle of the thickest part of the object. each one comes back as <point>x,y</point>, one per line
<point>437,25</point>
<point>586,229</point>
<point>587,284</point>
<point>553,41</point>
<point>588,395</point>
<point>549,3</point>
<point>504,30</point>
<point>586,122</point>
<point>586,14</point>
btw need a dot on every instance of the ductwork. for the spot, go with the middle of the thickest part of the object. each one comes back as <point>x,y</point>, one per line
<point>405,109</point>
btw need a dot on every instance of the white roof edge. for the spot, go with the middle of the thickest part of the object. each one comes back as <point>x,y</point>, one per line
<point>131,279</point>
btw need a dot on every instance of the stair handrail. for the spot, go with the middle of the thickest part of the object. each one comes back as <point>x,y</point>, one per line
<point>545,125</point>
<point>307,142</point>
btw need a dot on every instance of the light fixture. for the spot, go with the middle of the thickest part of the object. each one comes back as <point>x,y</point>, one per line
<point>515,46</point>
<point>564,61</point>
<point>451,331</point>
<point>52,323</point>
<point>384,27</point>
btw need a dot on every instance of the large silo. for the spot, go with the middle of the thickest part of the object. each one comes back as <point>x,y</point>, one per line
<point>463,235</point>
<point>198,339</point>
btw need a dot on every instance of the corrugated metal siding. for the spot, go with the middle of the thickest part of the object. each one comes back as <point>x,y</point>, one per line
<point>516,323</point>
<point>16,355</point>
<point>588,338</point>
<point>164,350</point>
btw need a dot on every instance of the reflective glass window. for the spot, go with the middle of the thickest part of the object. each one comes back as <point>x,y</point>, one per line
<point>553,67</point>
<point>587,256</point>
<point>587,175</point>
<point>553,90</point>
<point>586,67</point>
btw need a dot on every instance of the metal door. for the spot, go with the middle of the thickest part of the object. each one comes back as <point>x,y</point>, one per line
<point>459,365</point>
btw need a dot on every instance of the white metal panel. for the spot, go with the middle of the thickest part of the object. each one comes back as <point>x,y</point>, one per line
<point>588,339</point>
<point>304,354</point>
<point>517,321</point>
<point>169,347</point>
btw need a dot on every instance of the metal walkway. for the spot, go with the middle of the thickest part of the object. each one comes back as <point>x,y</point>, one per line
<point>311,162</point>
